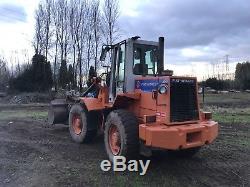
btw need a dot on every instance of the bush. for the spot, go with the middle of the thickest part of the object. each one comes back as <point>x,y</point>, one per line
<point>37,77</point>
<point>219,84</point>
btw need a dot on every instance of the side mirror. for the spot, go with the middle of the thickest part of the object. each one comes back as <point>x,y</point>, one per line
<point>140,69</point>
<point>104,53</point>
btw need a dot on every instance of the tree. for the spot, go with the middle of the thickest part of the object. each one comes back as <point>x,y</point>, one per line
<point>73,9</point>
<point>48,12</point>
<point>37,77</point>
<point>41,74</point>
<point>96,28</point>
<point>242,75</point>
<point>4,75</point>
<point>110,20</point>
<point>73,30</point>
<point>48,73</point>
<point>38,40</point>
<point>63,74</point>
<point>71,79</point>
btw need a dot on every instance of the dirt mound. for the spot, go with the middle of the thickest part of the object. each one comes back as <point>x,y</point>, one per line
<point>26,98</point>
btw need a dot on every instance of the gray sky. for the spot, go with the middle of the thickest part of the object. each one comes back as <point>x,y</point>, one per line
<point>197,32</point>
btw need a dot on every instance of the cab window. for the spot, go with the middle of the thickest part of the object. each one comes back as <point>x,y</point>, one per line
<point>146,55</point>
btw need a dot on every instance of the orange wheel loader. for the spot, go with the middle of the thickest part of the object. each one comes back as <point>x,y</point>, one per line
<point>139,106</point>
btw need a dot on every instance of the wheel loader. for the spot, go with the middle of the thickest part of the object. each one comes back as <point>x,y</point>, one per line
<point>138,105</point>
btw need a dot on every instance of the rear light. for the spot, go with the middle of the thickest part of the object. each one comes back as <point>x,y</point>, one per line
<point>206,116</point>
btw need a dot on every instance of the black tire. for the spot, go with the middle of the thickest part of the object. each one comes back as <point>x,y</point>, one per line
<point>88,130</point>
<point>185,153</point>
<point>128,128</point>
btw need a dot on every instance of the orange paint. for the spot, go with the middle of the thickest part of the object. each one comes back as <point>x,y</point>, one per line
<point>162,133</point>
<point>178,137</point>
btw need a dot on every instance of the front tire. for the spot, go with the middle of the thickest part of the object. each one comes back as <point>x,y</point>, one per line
<point>79,127</point>
<point>121,135</point>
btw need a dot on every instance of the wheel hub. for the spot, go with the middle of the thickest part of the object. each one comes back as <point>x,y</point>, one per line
<point>114,140</point>
<point>77,124</point>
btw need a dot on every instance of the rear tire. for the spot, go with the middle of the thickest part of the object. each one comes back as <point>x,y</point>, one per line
<point>79,126</point>
<point>121,135</point>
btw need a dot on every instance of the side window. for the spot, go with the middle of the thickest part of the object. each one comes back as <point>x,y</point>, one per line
<point>121,64</point>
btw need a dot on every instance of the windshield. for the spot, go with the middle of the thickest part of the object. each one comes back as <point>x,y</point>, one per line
<point>146,54</point>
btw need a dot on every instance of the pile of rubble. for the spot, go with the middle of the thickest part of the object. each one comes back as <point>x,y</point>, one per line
<point>30,98</point>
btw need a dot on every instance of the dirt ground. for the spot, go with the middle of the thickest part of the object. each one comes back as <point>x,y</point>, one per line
<point>35,154</point>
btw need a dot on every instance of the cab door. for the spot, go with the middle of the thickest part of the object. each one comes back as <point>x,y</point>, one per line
<point>117,70</point>
<point>120,69</point>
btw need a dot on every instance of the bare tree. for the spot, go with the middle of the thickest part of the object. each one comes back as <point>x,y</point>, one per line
<point>4,74</point>
<point>89,33</point>
<point>96,28</point>
<point>110,20</point>
<point>61,27</point>
<point>78,31</point>
<point>38,40</point>
<point>72,14</point>
<point>47,17</point>
<point>55,40</point>
<point>73,30</point>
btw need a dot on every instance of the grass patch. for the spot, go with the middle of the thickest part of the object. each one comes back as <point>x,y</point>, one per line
<point>20,114</point>
<point>229,98</point>
<point>232,118</point>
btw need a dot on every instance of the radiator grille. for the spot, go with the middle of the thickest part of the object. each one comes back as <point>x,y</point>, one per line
<point>183,100</point>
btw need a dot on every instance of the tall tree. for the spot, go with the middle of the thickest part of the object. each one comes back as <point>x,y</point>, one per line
<point>110,26</point>
<point>38,43</point>
<point>72,31</point>
<point>4,75</point>
<point>242,75</point>
<point>71,79</point>
<point>47,17</point>
<point>72,19</point>
<point>110,20</point>
<point>63,74</point>
<point>96,29</point>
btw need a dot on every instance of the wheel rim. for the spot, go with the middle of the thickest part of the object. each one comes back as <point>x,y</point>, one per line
<point>77,124</point>
<point>114,140</point>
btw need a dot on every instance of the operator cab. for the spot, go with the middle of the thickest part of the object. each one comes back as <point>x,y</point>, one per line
<point>131,59</point>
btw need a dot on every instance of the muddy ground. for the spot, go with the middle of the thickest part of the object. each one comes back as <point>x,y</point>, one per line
<point>35,154</point>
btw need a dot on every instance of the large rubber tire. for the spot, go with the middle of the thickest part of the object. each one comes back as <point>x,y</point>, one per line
<point>128,129</point>
<point>87,131</point>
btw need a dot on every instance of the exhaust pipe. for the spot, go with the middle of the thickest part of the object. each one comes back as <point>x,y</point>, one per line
<point>160,67</point>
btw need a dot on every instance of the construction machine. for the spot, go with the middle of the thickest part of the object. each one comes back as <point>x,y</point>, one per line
<point>139,106</point>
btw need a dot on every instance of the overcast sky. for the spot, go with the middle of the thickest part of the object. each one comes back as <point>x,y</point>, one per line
<point>197,32</point>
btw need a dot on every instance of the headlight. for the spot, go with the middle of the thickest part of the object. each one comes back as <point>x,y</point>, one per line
<point>163,89</point>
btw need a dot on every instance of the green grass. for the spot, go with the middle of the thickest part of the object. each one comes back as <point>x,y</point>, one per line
<point>229,98</point>
<point>22,114</point>
<point>232,118</point>
<point>235,110</point>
